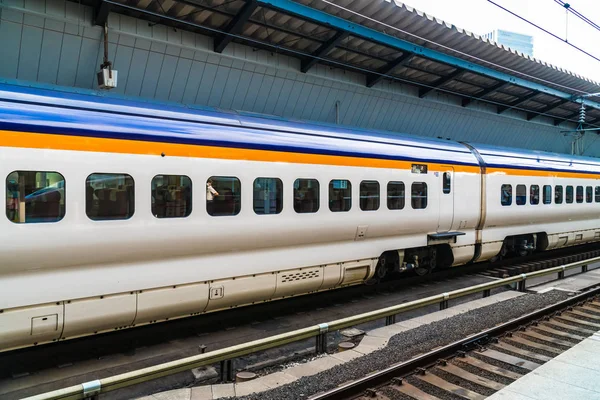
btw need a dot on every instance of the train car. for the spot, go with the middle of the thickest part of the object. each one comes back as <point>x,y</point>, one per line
<point>121,213</point>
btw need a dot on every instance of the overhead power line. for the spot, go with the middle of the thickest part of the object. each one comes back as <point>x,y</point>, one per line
<point>579,15</point>
<point>544,30</point>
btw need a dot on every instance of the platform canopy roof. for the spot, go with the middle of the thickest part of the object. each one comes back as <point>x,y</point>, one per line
<point>384,40</point>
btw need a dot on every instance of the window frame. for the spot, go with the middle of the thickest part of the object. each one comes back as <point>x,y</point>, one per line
<point>402,199</point>
<point>318,198</point>
<point>7,191</point>
<point>447,183</point>
<point>413,198</point>
<point>570,189</point>
<point>547,197</point>
<point>282,194</point>
<point>510,198</point>
<point>531,195</point>
<point>239,199</point>
<point>330,188</point>
<point>561,194</point>
<point>589,194</point>
<point>517,196</point>
<point>360,189</point>
<point>87,179</point>
<point>578,189</point>
<point>191,191</point>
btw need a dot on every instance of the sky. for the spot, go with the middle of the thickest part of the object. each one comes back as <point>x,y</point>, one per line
<point>481,16</point>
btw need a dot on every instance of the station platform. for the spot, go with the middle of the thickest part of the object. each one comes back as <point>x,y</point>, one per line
<point>572,375</point>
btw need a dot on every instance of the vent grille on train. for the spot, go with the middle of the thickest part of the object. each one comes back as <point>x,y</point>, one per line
<point>298,276</point>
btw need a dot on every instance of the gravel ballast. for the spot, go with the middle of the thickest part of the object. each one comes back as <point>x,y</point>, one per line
<point>408,344</point>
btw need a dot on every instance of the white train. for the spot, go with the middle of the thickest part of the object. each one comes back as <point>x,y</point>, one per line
<point>121,213</point>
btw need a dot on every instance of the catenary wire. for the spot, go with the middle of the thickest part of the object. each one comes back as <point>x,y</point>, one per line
<point>579,15</point>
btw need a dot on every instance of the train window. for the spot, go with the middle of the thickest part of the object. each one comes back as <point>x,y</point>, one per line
<point>547,194</point>
<point>506,195</point>
<point>171,196</point>
<point>306,195</point>
<point>446,183</point>
<point>589,194</point>
<point>569,194</point>
<point>579,194</point>
<point>35,196</point>
<point>597,194</point>
<point>395,195</point>
<point>558,194</point>
<point>109,196</point>
<point>534,194</point>
<point>521,195</point>
<point>268,196</point>
<point>369,195</point>
<point>418,195</point>
<point>340,195</point>
<point>223,196</point>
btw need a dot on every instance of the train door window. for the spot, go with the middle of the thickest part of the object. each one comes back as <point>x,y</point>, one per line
<point>579,194</point>
<point>558,194</point>
<point>534,194</point>
<point>171,196</point>
<point>589,194</point>
<point>521,195</point>
<point>223,196</point>
<point>369,195</point>
<point>597,194</point>
<point>547,194</point>
<point>395,195</point>
<point>109,196</point>
<point>340,195</point>
<point>306,195</point>
<point>447,184</point>
<point>35,196</point>
<point>506,195</point>
<point>418,195</point>
<point>569,194</point>
<point>268,196</point>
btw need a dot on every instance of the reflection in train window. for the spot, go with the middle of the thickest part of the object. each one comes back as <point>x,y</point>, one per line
<point>558,194</point>
<point>597,194</point>
<point>534,194</point>
<point>418,196</point>
<point>223,196</point>
<point>579,194</point>
<point>589,194</point>
<point>521,195</point>
<point>369,195</point>
<point>268,195</point>
<point>506,195</point>
<point>306,195</point>
<point>340,195</point>
<point>171,196</point>
<point>547,194</point>
<point>109,196</point>
<point>569,194</point>
<point>395,195</point>
<point>35,196</point>
<point>446,182</point>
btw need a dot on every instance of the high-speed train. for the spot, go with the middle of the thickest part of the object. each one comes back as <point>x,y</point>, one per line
<point>121,213</point>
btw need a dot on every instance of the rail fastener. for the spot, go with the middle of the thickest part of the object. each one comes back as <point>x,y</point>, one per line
<point>104,385</point>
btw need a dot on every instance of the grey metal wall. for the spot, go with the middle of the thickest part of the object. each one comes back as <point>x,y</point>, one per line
<point>53,42</point>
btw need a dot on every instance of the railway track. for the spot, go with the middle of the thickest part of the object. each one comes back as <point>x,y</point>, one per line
<point>89,358</point>
<point>478,366</point>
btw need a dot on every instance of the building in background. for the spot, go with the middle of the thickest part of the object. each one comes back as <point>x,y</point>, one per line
<point>516,41</point>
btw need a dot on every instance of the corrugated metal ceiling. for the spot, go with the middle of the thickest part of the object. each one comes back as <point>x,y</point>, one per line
<point>258,25</point>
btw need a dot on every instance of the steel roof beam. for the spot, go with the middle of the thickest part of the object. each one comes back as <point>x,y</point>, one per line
<point>405,58</point>
<point>485,92</point>
<point>235,26</point>
<point>549,107</point>
<point>516,102</point>
<point>322,51</point>
<point>557,121</point>
<point>440,81</point>
<point>101,10</point>
<point>321,17</point>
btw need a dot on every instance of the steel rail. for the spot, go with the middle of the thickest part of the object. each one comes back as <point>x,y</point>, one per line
<point>88,389</point>
<point>402,368</point>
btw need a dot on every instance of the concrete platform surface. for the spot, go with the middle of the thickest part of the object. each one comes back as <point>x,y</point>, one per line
<point>373,340</point>
<point>572,375</point>
<point>573,283</point>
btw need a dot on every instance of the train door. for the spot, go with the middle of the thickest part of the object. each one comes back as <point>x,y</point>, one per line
<point>446,188</point>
